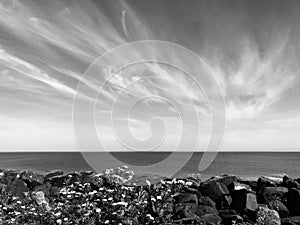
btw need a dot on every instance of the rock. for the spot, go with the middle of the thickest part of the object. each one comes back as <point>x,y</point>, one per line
<point>224,179</point>
<point>244,201</point>
<point>44,188</point>
<point>251,181</point>
<point>186,198</point>
<point>212,219</point>
<point>31,179</point>
<point>235,186</point>
<point>267,194</point>
<point>290,183</point>
<point>230,216</point>
<point>224,202</point>
<point>278,191</point>
<point>280,208</point>
<point>41,200</point>
<point>267,216</point>
<point>86,176</point>
<point>53,173</point>
<point>205,200</point>
<point>214,189</point>
<point>204,209</point>
<point>293,201</point>
<point>58,181</point>
<point>294,220</point>
<point>185,210</point>
<point>266,182</point>
<point>18,187</point>
<point>232,219</point>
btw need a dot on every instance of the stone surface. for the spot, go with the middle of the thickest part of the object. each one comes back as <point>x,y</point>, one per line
<point>294,220</point>
<point>53,173</point>
<point>205,200</point>
<point>203,209</point>
<point>267,216</point>
<point>214,189</point>
<point>280,208</point>
<point>244,201</point>
<point>212,219</point>
<point>293,201</point>
<point>290,182</point>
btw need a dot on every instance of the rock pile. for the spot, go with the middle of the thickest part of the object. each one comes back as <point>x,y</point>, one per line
<point>116,196</point>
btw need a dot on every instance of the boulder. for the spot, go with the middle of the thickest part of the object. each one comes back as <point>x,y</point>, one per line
<point>58,181</point>
<point>86,176</point>
<point>244,201</point>
<point>53,173</point>
<point>224,202</point>
<point>266,182</point>
<point>212,219</point>
<point>267,216</point>
<point>232,219</point>
<point>224,179</point>
<point>17,187</point>
<point>278,191</point>
<point>45,188</point>
<point>204,209</point>
<point>251,181</point>
<point>31,179</point>
<point>214,189</point>
<point>267,194</point>
<point>40,199</point>
<point>205,200</point>
<point>186,198</point>
<point>290,182</point>
<point>294,220</point>
<point>185,210</point>
<point>279,207</point>
<point>235,186</point>
<point>293,201</point>
<point>230,216</point>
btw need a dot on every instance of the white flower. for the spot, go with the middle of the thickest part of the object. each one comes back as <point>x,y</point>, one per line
<point>59,221</point>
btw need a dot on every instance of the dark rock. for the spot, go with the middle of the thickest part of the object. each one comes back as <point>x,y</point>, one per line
<point>294,220</point>
<point>205,200</point>
<point>214,189</point>
<point>232,219</point>
<point>86,176</point>
<point>230,216</point>
<point>224,179</point>
<point>267,194</point>
<point>58,181</point>
<point>293,201</point>
<point>53,173</point>
<point>278,191</point>
<point>290,183</point>
<point>267,216</point>
<point>224,202</point>
<point>186,198</point>
<point>18,187</point>
<point>204,209</point>
<point>54,191</point>
<point>244,201</point>
<point>280,208</point>
<point>45,188</point>
<point>251,181</point>
<point>185,210</point>
<point>212,219</point>
<point>31,179</point>
<point>266,182</point>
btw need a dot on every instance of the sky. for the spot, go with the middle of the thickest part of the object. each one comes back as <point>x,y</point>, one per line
<point>250,48</point>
